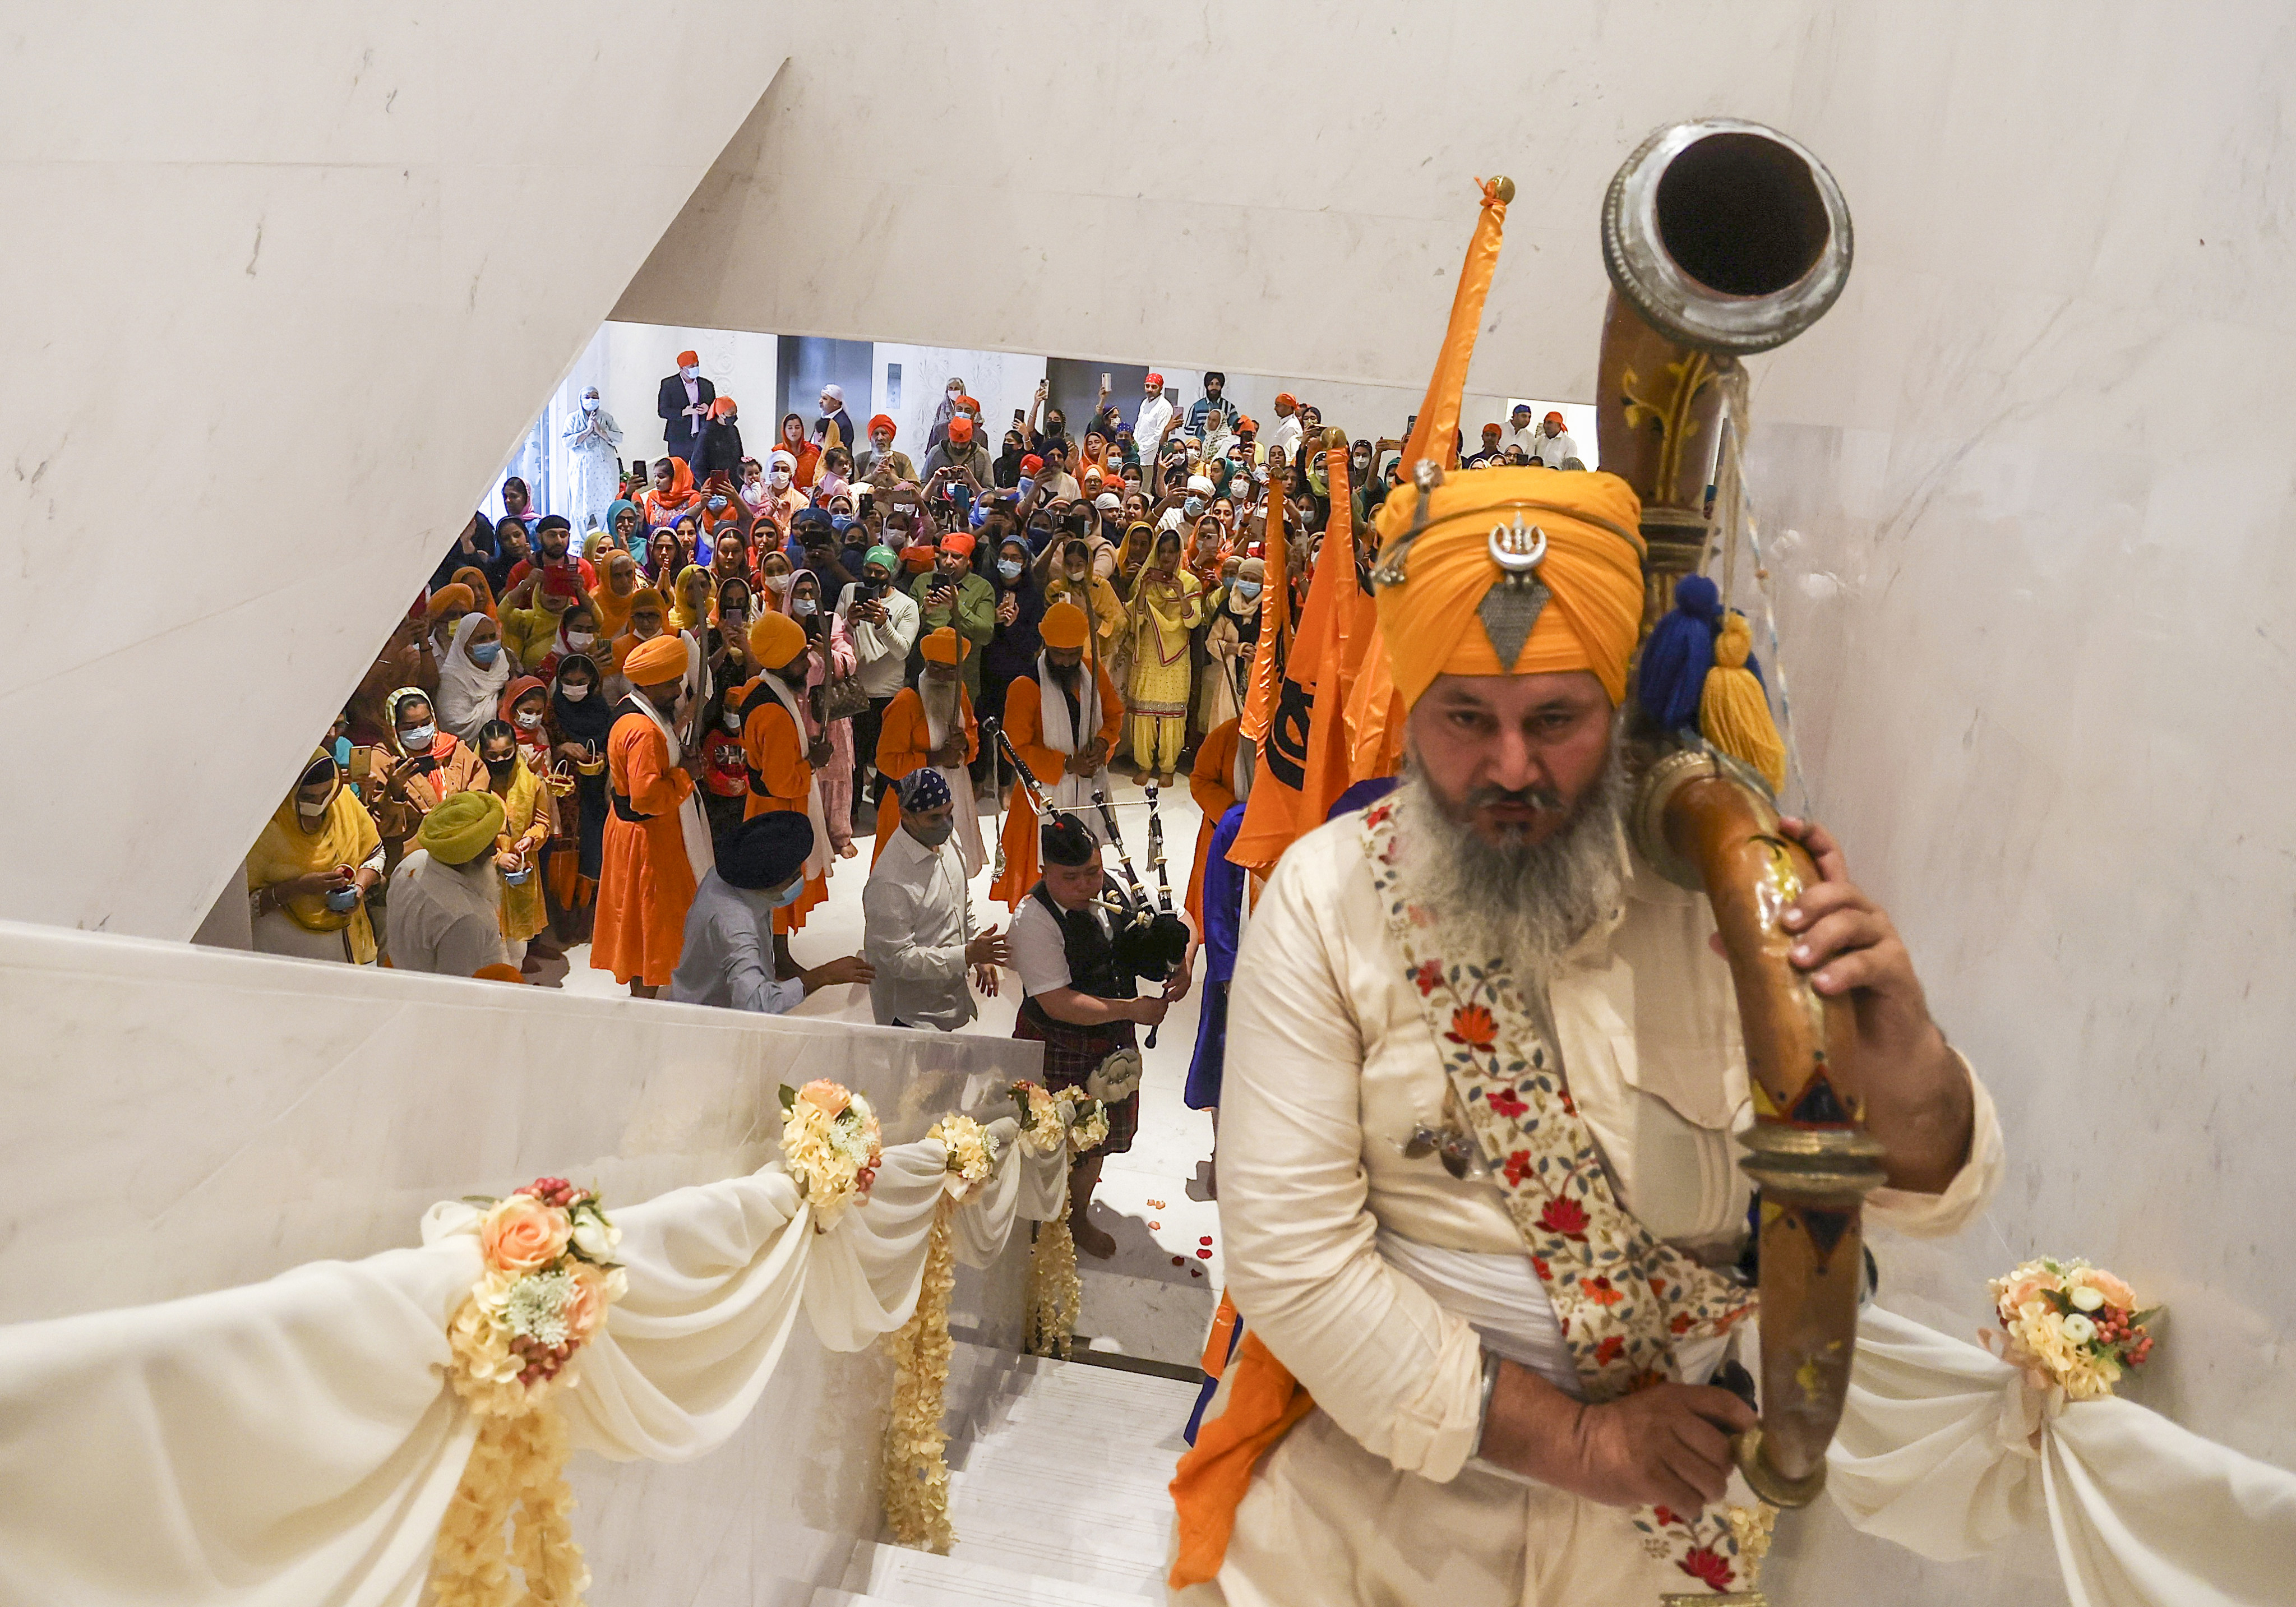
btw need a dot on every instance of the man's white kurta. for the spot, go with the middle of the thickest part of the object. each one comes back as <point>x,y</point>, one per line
<point>1331,1067</point>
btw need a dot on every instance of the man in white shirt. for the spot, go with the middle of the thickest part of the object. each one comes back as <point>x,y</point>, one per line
<point>883,621</point>
<point>1554,443</point>
<point>1475,1150</point>
<point>445,899</point>
<point>1154,419</point>
<point>1289,426</point>
<point>728,957</point>
<point>917,917</point>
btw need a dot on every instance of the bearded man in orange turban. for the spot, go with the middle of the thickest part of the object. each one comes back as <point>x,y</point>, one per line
<point>1476,1168</point>
<point>657,839</point>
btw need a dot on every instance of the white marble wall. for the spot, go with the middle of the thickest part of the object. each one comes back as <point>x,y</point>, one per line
<point>298,288</point>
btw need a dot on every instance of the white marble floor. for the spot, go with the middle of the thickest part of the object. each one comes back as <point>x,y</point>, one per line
<point>1155,1298</point>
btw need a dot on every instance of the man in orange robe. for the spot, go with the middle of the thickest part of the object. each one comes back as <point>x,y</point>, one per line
<point>1068,763</point>
<point>1213,783</point>
<point>779,757</point>
<point>904,743</point>
<point>646,879</point>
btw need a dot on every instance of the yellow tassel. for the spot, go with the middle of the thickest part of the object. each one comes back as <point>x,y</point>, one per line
<point>1732,710</point>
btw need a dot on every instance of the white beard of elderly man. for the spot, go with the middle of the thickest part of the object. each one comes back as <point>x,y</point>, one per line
<point>1476,1166</point>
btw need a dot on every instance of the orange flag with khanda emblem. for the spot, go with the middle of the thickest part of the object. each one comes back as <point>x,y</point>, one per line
<point>1305,752</point>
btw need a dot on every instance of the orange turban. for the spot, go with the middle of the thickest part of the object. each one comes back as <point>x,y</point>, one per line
<point>1434,620</point>
<point>775,639</point>
<point>960,429</point>
<point>722,406</point>
<point>890,429</point>
<point>1285,398</point>
<point>689,359</point>
<point>1062,626</point>
<point>939,646</point>
<point>648,596</point>
<point>656,662</point>
<point>447,596</point>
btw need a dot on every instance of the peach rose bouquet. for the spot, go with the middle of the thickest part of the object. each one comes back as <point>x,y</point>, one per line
<point>550,1277</point>
<point>2070,1326</point>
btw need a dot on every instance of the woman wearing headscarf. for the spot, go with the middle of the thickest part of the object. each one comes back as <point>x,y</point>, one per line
<point>1012,649</point>
<point>592,441</point>
<point>518,504</point>
<point>525,709</point>
<point>311,869</point>
<point>472,676</point>
<point>426,766</point>
<point>527,824</point>
<point>579,722</point>
<point>623,524</point>
<point>1167,603</point>
<point>691,600</point>
<point>482,594</point>
<point>773,572</point>
<point>613,596</point>
<point>833,657</point>
<point>804,458</point>
<point>672,493</point>
<point>786,498</point>
<point>719,450</point>
<point>665,556</point>
<point>1228,647</point>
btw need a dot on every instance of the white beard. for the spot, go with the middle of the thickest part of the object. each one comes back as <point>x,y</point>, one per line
<point>1521,904</point>
<point>940,699</point>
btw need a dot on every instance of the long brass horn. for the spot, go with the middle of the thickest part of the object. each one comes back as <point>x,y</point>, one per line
<point>1724,238</point>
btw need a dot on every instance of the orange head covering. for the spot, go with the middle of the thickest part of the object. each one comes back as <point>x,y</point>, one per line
<point>886,423</point>
<point>689,359</point>
<point>1062,626</point>
<point>1285,398</point>
<point>647,596</point>
<point>959,542</point>
<point>719,408</point>
<point>960,429</point>
<point>657,662</point>
<point>447,596</point>
<point>776,638</point>
<point>1457,607</point>
<point>939,646</point>
<point>1555,419</point>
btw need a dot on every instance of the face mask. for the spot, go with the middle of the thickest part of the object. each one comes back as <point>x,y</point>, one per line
<point>931,833</point>
<point>418,739</point>
<point>574,693</point>
<point>1010,568</point>
<point>1076,577</point>
<point>781,479</point>
<point>486,653</point>
<point>777,583</point>
<point>803,607</point>
<point>1194,507</point>
<point>342,751</point>
<point>309,810</point>
<point>734,720</point>
<point>579,639</point>
<point>645,632</point>
<point>1248,590</point>
<point>688,372</point>
<point>500,768</point>
<point>795,892</point>
<point>589,403</point>
<point>528,722</point>
<point>716,503</point>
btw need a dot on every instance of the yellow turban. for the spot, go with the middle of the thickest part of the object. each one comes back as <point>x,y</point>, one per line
<point>648,596</point>
<point>939,646</point>
<point>656,662</point>
<point>1434,621</point>
<point>1064,625</point>
<point>453,596</point>
<point>461,829</point>
<point>775,639</point>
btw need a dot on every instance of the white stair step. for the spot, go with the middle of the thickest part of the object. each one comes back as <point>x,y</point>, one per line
<point>917,1579</point>
<point>1121,1543</point>
<point>1007,1464</point>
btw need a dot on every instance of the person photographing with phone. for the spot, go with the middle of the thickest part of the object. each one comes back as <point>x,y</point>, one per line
<point>882,623</point>
<point>952,595</point>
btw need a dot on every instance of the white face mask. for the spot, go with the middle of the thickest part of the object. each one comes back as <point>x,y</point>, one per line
<point>579,639</point>
<point>780,478</point>
<point>309,810</point>
<point>573,693</point>
<point>777,583</point>
<point>589,403</point>
<point>528,722</point>
<point>687,372</point>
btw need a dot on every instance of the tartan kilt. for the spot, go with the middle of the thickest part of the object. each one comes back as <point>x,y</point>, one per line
<point>1073,1053</point>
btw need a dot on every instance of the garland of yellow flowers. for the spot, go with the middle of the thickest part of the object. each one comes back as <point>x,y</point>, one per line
<point>547,1287</point>
<point>1056,1294</point>
<point>916,1466</point>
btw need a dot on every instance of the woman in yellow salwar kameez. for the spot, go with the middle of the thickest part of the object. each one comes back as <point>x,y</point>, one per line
<point>527,821</point>
<point>1168,604</point>
<point>311,869</point>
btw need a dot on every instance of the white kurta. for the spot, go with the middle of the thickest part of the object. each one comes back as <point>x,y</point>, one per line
<point>1073,794</point>
<point>967,812</point>
<point>592,440</point>
<point>1330,1069</point>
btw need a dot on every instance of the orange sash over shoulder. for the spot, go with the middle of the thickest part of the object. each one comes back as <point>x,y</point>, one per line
<point>1263,1402</point>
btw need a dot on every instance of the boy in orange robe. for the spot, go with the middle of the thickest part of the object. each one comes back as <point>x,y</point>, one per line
<point>904,744</point>
<point>645,881</point>
<point>779,758</point>
<point>1067,765</point>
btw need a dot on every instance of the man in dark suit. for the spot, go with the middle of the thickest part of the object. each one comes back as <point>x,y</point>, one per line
<point>684,407</point>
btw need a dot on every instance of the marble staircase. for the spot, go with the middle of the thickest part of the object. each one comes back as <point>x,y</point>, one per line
<point>1057,1492</point>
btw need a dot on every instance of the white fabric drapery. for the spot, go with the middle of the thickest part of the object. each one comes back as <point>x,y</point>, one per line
<point>1937,1451</point>
<point>295,1441</point>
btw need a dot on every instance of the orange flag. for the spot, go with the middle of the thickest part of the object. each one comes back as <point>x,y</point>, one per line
<point>1267,657</point>
<point>1305,753</point>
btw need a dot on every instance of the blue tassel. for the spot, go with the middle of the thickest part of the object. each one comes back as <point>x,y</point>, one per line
<point>1678,654</point>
